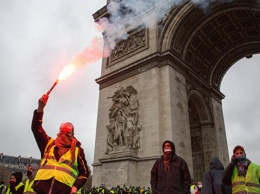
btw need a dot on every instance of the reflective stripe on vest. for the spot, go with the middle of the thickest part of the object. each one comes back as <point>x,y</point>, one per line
<point>16,188</point>
<point>61,170</point>
<point>28,186</point>
<point>249,184</point>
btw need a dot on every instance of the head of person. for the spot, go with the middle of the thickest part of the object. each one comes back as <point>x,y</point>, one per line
<point>168,147</point>
<point>199,184</point>
<point>215,164</point>
<point>67,129</point>
<point>239,153</point>
<point>32,170</point>
<point>2,183</point>
<point>66,133</point>
<point>16,178</point>
<point>65,140</point>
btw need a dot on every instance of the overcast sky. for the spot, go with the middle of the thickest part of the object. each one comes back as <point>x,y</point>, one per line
<point>38,38</point>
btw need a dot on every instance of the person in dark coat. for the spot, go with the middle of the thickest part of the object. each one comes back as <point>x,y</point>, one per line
<point>170,173</point>
<point>212,180</point>
<point>31,173</point>
<point>16,185</point>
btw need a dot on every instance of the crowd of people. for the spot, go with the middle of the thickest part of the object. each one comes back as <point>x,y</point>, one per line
<point>119,190</point>
<point>22,188</point>
<point>63,169</point>
<point>169,175</point>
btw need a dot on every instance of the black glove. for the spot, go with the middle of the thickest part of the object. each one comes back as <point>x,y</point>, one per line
<point>233,160</point>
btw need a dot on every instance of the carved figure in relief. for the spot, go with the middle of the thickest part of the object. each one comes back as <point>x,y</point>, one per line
<point>124,128</point>
<point>120,128</point>
<point>110,137</point>
<point>136,140</point>
<point>133,42</point>
<point>129,131</point>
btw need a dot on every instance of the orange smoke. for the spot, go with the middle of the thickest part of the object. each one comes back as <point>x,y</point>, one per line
<point>89,55</point>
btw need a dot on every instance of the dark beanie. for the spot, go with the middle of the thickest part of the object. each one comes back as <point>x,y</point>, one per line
<point>238,147</point>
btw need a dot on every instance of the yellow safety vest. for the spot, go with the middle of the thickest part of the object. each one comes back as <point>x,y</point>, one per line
<point>16,188</point>
<point>250,183</point>
<point>63,170</point>
<point>79,191</point>
<point>28,186</point>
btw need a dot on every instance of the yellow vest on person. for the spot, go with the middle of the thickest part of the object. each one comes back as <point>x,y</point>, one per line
<point>28,186</point>
<point>79,191</point>
<point>63,170</point>
<point>16,188</point>
<point>250,183</point>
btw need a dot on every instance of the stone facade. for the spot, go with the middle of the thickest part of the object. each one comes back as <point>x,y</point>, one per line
<point>175,70</point>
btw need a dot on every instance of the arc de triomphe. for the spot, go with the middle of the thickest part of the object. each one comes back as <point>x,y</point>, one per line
<point>164,83</point>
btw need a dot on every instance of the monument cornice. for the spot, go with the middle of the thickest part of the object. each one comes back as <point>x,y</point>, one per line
<point>127,158</point>
<point>152,61</point>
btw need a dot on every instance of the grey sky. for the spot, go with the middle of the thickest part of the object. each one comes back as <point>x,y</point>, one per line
<point>241,108</point>
<point>38,38</point>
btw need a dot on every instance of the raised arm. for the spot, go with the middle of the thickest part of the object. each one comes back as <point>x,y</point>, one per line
<point>39,133</point>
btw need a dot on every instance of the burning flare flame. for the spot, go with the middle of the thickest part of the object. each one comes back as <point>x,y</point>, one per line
<point>89,55</point>
<point>66,72</point>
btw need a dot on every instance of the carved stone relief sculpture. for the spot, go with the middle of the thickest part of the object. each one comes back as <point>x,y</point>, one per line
<point>136,41</point>
<point>123,132</point>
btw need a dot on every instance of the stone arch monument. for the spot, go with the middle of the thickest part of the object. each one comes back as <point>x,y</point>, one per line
<point>164,83</point>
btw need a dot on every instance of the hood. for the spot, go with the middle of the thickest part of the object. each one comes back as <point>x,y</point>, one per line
<point>18,176</point>
<point>172,146</point>
<point>35,168</point>
<point>215,164</point>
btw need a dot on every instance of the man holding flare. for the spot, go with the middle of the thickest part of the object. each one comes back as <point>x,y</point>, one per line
<point>63,167</point>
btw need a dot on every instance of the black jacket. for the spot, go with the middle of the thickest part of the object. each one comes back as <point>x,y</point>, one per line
<point>176,180</point>
<point>19,178</point>
<point>212,180</point>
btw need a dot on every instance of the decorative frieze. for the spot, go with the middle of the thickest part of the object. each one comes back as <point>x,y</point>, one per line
<point>123,132</point>
<point>136,41</point>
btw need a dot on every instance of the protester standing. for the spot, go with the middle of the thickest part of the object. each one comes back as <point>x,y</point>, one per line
<point>15,184</point>
<point>31,172</point>
<point>212,180</point>
<point>2,187</point>
<point>241,173</point>
<point>63,167</point>
<point>194,188</point>
<point>170,173</point>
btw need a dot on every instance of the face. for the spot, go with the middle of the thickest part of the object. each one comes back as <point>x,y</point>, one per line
<point>199,184</point>
<point>239,153</point>
<point>12,178</point>
<point>62,133</point>
<point>29,168</point>
<point>167,146</point>
<point>66,129</point>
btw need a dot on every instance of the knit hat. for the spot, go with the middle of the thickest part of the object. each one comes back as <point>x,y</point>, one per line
<point>238,147</point>
<point>66,128</point>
